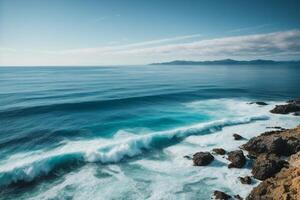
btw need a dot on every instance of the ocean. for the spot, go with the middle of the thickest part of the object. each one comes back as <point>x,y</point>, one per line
<point>122,132</point>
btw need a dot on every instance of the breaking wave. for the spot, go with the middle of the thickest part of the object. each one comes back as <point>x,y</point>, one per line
<point>111,153</point>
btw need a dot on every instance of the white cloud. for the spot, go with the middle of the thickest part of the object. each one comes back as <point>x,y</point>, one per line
<point>277,45</point>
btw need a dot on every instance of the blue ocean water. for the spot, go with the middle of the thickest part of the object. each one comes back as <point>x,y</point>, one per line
<point>121,132</point>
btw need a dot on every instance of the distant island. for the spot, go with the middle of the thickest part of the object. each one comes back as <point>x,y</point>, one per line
<point>227,62</point>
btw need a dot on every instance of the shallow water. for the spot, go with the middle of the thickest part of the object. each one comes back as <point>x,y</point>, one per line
<point>122,132</point>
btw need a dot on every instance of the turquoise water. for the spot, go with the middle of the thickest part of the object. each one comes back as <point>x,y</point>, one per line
<point>121,132</point>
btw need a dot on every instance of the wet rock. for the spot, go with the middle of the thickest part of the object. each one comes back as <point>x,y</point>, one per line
<point>245,180</point>
<point>188,157</point>
<point>260,103</point>
<point>237,136</point>
<point>219,151</point>
<point>202,158</point>
<point>267,165</point>
<point>218,195</point>
<point>277,127</point>
<point>296,114</point>
<point>237,159</point>
<point>285,109</point>
<point>238,197</point>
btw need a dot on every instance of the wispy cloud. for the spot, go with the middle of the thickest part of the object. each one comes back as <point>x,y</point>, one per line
<point>129,46</point>
<point>251,28</point>
<point>276,45</point>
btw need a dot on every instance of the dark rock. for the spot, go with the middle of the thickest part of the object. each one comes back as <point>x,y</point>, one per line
<point>188,157</point>
<point>238,197</point>
<point>296,114</point>
<point>237,159</point>
<point>245,180</point>
<point>277,127</point>
<point>285,109</point>
<point>237,136</point>
<point>219,151</point>
<point>202,158</point>
<point>267,165</point>
<point>221,195</point>
<point>260,103</point>
<point>281,143</point>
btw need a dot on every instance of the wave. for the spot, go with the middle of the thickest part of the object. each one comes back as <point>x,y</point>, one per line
<point>108,104</point>
<point>113,152</point>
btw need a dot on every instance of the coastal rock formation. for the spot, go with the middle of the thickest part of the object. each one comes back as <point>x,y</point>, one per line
<point>281,143</point>
<point>245,180</point>
<point>202,158</point>
<point>285,109</point>
<point>218,195</point>
<point>267,165</point>
<point>219,151</point>
<point>295,101</point>
<point>282,179</point>
<point>237,136</point>
<point>237,159</point>
<point>285,185</point>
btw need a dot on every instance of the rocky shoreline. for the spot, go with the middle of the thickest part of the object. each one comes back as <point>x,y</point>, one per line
<point>274,158</point>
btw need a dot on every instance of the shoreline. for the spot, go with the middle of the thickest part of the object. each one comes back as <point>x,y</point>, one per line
<point>274,158</point>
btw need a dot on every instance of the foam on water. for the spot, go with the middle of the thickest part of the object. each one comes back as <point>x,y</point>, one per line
<point>41,164</point>
<point>172,177</point>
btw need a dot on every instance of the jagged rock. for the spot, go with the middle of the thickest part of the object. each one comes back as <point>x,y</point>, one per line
<point>238,197</point>
<point>219,151</point>
<point>237,136</point>
<point>202,158</point>
<point>245,180</point>
<point>282,143</point>
<point>218,195</point>
<point>267,165</point>
<point>285,185</point>
<point>285,109</point>
<point>237,159</point>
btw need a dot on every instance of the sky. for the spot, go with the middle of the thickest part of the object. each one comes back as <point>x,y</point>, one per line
<point>125,32</point>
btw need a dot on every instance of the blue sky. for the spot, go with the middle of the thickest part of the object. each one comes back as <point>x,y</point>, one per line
<point>96,32</point>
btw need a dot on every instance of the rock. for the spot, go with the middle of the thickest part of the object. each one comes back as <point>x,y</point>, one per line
<point>296,114</point>
<point>267,165</point>
<point>218,195</point>
<point>285,185</point>
<point>237,159</point>
<point>202,158</point>
<point>294,160</point>
<point>245,180</point>
<point>188,157</point>
<point>260,103</point>
<point>219,151</point>
<point>277,127</point>
<point>237,136</point>
<point>238,197</point>
<point>285,109</point>
<point>282,143</point>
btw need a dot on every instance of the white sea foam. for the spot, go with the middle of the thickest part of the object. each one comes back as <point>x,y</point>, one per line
<point>42,163</point>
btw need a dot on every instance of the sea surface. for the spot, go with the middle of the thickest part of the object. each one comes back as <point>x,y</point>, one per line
<point>122,132</point>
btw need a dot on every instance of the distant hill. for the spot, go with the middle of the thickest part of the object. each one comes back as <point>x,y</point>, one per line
<point>227,62</point>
